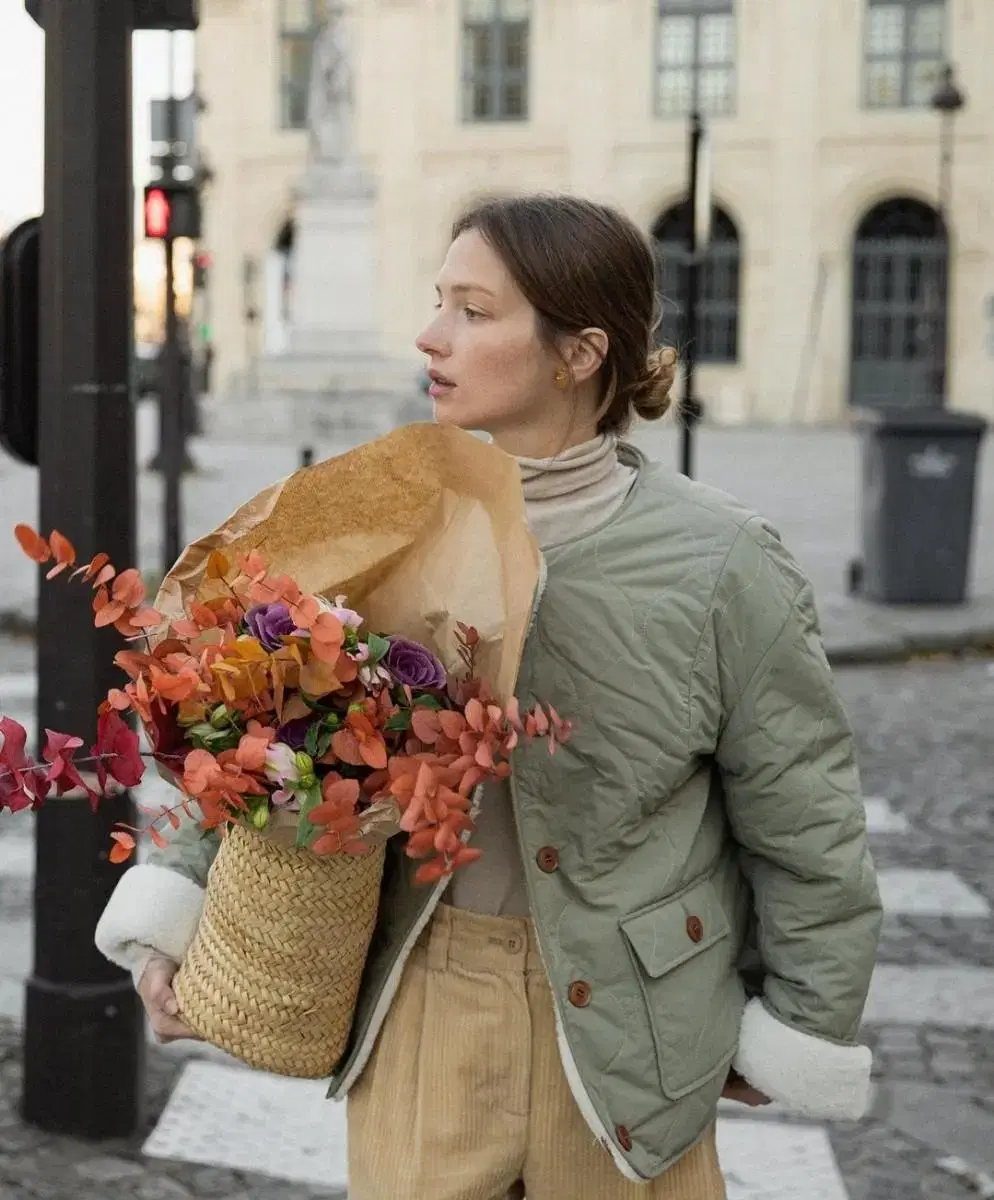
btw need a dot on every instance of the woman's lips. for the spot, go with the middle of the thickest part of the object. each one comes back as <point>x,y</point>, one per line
<point>440,385</point>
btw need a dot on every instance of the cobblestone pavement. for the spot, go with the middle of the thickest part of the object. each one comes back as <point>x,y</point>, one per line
<point>926,747</point>
<point>926,733</point>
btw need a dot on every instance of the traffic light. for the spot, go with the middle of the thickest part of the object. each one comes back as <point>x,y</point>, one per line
<point>172,210</point>
<point>202,263</point>
<point>166,14</point>
<point>149,14</point>
<point>19,340</point>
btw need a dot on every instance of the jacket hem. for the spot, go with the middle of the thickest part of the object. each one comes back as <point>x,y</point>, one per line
<point>809,1075</point>
<point>385,999</point>
<point>153,910</point>
<point>586,1106</point>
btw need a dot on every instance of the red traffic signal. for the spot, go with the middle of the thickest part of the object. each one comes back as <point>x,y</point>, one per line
<point>158,213</point>
<point>172,210</point>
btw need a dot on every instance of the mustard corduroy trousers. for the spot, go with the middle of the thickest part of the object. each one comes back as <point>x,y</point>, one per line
<point>464,1097</point>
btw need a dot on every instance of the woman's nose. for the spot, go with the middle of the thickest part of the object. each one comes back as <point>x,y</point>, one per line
<point>430,341</point>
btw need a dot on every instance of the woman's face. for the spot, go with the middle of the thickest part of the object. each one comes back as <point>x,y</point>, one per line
<point>489,369</point>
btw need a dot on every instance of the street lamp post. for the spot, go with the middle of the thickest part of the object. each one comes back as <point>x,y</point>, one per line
<point>947,101</point>
<point>698,234</point>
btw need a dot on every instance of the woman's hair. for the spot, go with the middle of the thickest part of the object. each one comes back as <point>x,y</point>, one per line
<point>581,265</point>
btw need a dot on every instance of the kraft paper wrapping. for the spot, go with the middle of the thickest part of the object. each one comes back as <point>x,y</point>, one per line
<point>419,530</point>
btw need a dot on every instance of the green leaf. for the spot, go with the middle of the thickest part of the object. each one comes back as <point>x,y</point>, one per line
<point>306,832</point>
<point>323,743</point>
<point>315,704</point>
<point>399,722</point>
<point>311,741</point>
<point>425,701</point>
<point>221,717</point>
<point>378,647</point>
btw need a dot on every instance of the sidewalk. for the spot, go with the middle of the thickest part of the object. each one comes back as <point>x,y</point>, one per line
<point>804,481</point>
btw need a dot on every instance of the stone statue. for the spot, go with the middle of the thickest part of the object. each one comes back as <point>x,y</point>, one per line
<point>330,102</point>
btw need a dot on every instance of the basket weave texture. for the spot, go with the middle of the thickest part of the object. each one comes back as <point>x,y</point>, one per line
<point>273,972</point>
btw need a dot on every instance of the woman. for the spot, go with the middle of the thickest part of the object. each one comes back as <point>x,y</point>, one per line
<point>681,904</point>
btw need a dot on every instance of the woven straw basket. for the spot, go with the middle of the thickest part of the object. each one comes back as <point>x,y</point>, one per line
<point>273,971</point>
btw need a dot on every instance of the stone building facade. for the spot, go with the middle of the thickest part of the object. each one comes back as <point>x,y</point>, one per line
<point>847,264</point>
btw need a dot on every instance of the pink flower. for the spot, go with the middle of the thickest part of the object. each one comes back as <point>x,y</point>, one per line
<point>348,617</point>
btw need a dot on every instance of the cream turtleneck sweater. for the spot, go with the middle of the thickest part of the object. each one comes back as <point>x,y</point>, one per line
<point>565,497</point>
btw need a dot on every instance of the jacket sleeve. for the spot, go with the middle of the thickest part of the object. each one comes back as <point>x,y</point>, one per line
<point>155,908</point>
<point>793,798</point>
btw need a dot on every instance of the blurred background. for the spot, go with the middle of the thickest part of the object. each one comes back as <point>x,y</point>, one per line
<point>817,180</point>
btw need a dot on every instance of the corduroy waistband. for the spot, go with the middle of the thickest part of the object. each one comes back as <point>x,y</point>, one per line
<point>501,945</point>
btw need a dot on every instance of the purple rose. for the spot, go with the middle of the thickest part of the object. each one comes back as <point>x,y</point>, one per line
<point>411,664</point>
<point>294,733</point>
<point>270,623</point>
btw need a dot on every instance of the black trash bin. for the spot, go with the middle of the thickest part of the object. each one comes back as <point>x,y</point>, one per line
<point>919,478</point>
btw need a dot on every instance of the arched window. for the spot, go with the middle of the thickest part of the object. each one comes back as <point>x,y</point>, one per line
<point>899,306</point>
<point>719,284</point>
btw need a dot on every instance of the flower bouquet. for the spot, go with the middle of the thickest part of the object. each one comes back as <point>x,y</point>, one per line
<point>307,735</point>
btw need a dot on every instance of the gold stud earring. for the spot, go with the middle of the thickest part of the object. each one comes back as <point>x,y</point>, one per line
<point>562,379</point>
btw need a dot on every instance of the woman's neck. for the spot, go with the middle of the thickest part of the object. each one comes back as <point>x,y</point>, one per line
<point>542,444</point>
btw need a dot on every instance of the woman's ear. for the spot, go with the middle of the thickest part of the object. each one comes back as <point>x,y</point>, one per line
<point>585,353</point>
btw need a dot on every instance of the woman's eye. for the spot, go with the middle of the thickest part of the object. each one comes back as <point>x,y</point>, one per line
<point>472,313</point>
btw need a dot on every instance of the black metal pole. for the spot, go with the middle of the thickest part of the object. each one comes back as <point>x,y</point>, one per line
<point>941,286</point>
<point>83,1034</point>
<point>690,413</point>
<point>171,423</point>
<point>945,161</point>
<point>172,440</point>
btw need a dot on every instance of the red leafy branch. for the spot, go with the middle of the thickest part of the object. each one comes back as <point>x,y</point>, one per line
<point>25,783</point>
<point>119,597</point>
<point>448,756</point>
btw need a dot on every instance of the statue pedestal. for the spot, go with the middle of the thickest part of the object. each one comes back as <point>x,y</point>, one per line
<point>334,303</point>
<point>333,382</point>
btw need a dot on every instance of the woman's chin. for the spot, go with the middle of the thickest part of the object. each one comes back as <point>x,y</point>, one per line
<point>447,413</point>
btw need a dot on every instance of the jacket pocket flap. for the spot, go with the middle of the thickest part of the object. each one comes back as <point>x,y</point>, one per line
<point>673,930</point>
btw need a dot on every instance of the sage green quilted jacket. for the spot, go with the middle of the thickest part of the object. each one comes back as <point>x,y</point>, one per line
<point>711,900</point>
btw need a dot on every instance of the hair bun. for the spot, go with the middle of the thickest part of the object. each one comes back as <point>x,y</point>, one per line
<point>650,395</point>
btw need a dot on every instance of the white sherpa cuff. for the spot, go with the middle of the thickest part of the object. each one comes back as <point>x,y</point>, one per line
<point>809,1075</point>
<point>153,911</point>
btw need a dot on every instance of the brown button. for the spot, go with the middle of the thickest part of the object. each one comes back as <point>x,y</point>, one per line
<point>579,993</point>
<point>548,859</point>
<point>624,1138</point>
<point>695,928</point>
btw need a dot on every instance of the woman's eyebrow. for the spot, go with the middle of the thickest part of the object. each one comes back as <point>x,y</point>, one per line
<point>467,287</point>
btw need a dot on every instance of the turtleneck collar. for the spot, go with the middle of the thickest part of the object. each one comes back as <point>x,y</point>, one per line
<point>577,490</point>
<point>577,467</point>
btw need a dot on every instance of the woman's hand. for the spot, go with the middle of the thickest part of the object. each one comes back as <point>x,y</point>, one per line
<point>156,990</point>
<point>737,1089</point>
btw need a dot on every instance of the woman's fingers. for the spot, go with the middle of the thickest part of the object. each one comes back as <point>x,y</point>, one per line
<point>156,991</point>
